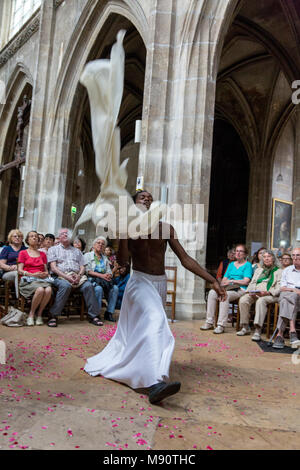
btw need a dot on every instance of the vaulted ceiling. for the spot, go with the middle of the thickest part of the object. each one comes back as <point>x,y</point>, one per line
<point>259,62</point>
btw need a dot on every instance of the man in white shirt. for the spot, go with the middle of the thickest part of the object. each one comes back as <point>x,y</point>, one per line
<point>68,266</point>
<point>289,302</point>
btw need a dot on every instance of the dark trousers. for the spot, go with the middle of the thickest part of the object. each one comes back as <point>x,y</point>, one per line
<point>63,291</point>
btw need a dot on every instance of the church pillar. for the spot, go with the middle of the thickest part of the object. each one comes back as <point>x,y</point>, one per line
<point>296,192</point>
<point>38,123</point>
<point>178,121</point>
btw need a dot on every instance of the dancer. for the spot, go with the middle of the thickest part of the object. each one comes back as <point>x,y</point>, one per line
<point>140,352</point>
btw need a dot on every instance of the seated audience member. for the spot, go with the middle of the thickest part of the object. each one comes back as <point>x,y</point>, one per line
<point>116,270</point>
<point>9,256</point>
<point>289,302</point>
<point>99,272</point>
<point>41,239</point>
<point>224,264</point>
<point>257,258</point>
<point>2,245</point>
<point>35,280</point>
<point>80,244</point>
<point>264,289</point>
<point>235,281</point>
<point>221,271</point>
<point>48,242</point>
<point>67,264</point>
<point>110,256</point>
<point>286,260</point>
<point>121,281</point>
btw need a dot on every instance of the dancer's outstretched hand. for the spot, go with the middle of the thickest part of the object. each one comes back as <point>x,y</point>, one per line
<point>222,294</point>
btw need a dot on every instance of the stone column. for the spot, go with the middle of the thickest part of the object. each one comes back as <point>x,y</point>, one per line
<point>296,192</point>
<point>178,119</point>
<point>259,201</point>
<point>38,122</point>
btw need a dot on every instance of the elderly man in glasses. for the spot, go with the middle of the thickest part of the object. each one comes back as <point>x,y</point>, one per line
<point>289,302</point>
<point>68,267</point>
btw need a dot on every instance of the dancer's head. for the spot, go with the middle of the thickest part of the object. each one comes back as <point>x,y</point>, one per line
<point>144,198</point>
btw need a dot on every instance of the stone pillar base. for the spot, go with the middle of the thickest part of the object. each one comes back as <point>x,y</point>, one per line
<point>187,311</point>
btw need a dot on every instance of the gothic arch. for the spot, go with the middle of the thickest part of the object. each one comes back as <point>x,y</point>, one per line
<point>19,83</point>
<point>72,106</point>
<point>92,23</point>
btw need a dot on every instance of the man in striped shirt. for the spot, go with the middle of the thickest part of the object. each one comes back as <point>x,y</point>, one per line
<point>67,265</point>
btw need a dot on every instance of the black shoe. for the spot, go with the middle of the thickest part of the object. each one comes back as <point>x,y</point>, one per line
<point>109,317</point>
<point>162,390</point>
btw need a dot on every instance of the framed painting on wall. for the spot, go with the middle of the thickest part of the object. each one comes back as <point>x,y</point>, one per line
<point>281,224</point>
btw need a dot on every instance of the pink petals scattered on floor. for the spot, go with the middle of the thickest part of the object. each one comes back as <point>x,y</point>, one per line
<point>200,377</point>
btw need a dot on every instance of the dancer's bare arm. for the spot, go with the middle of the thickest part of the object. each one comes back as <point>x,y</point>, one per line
<point>192,265</point>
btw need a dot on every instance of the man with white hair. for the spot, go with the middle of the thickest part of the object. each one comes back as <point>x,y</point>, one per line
<point>289,302</point>
<point>68,266</point>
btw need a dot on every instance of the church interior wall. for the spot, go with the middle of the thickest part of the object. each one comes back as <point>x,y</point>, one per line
<point>284,165</point>
<point>203,60</point>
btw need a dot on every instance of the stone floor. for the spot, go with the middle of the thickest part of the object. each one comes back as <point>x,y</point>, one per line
<point>233,395</point>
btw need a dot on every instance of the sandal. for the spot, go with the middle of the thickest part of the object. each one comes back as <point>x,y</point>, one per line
<point>52,322</point>
<point>96,321</point>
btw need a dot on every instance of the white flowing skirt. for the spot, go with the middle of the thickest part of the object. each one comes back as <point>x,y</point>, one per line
<point>140,352</point>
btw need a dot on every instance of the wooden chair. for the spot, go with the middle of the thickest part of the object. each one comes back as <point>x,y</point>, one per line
<point>2,299</point>
<point>23,303</point>
<point>235,315</point>
<point>75,305</point>
<point>272,308</point>
<point>172,290</point>
<point>7,296</point>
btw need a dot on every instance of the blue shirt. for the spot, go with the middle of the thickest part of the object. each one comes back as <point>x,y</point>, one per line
<point>10,254</point>
<point>243,271</point>
<point>121,282</point>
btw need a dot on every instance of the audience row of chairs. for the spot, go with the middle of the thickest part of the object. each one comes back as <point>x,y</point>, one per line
<point>75,304</point>
<point>270,322</point>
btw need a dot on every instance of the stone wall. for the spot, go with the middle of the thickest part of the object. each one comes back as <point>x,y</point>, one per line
<point>184,41</point>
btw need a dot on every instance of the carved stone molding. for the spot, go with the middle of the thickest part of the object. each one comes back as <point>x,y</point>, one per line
<point>57,3</point>
<point>24,35</point>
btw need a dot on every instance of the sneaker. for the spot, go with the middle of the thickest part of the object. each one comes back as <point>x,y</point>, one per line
<point>39,321</point>
<point>162,390</point>
<point>30,321</point>
<point>207,326</point>
<point>278,343</point>
<point>256,336</point>
<point>294,341</point>
<point>220,329</point>
<point>244,331</point>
